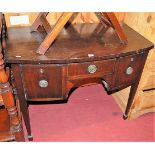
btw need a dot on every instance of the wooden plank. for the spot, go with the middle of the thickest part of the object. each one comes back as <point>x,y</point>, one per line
<point>54,33</point>
<point>38,21</point>
<point>112,18</point>
<point>45,24</point>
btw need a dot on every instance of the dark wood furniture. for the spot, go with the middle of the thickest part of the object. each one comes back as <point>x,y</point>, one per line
<point>81,55</point>
<point>107,19</point>
<point>10,122</point>
<point>8,131</point>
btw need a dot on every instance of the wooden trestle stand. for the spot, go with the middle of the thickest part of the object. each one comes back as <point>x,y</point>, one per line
<point>106,18</point>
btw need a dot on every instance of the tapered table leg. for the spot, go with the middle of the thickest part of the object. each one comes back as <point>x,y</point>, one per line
<point>133,90</point>
<point>134,87</point>
<point>21,96</point>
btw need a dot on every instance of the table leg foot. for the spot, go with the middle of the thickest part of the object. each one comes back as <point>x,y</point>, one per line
<point>125,116</point>
<point>30,137</point>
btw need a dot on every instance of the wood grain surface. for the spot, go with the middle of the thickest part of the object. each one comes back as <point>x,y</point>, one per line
<point>73,45</point>
<point>144,102</point>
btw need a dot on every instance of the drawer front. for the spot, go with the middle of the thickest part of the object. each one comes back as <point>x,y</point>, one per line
<point>96,68</point>
<point>41,81</point>
<point>129,68</point>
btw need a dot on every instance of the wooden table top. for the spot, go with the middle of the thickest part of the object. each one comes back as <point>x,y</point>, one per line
<point>76,43</point>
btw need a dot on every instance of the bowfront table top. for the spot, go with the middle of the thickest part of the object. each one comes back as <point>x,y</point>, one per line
<point>77,43</point>
<point>81,55</point>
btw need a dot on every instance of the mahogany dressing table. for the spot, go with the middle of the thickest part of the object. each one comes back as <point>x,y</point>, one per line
<point>82,54</point>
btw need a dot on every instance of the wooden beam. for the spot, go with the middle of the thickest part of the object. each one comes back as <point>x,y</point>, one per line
<point>113,20</point>
<point>54,32</point>
<point>45,24</point>
<point>37,21</point>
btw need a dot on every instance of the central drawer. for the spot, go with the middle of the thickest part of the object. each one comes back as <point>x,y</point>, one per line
<point>91,69</point>
<point>43,82</point>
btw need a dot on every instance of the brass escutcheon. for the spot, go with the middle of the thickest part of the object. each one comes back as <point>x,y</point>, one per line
<point>92,69</point>
<point>129,70</point>
<point>43,83</point>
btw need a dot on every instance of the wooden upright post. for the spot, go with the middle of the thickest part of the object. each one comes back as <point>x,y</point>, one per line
<point>8,99</point>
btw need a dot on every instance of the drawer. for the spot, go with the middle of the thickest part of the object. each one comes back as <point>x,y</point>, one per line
<point>128,69</point>
<point>91,69</point>
<point>42,81</point>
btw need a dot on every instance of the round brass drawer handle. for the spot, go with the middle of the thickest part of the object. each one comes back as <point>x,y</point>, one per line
<point>129,70</point>
<point>92,69</point>
<point>43,83</point>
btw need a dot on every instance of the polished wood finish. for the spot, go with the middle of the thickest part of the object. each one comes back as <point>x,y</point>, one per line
<point>134,86</point>
<point>78,57</point>
<point>144,100</point>
<point>76,70</point>
<point>110,21</point>
<point>132,62</point>
<point>13,127</point>
<point>72,47</point>
<point>51,73</point>
<point>21,97</point>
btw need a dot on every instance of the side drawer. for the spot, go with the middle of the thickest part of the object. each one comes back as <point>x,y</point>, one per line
<point>129,68</point>
<point>91,69</point>
<point>42,81</point>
